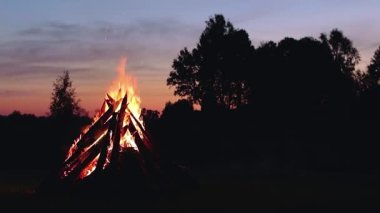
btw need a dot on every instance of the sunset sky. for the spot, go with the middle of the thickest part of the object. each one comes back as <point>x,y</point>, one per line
<point>39,39</point>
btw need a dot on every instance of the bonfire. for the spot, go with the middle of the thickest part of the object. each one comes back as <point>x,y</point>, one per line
<point>114,152</point>
<point>115,129</point>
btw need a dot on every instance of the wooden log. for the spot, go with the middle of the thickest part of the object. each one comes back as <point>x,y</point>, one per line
<point>109,103</point>
<point>144,150</point>
<point>69,167</point>
<point>117,131</point>
<point>148,156</point>
<point>103,153</point>
<point>86,140</point>
<point>110,99</point>
<point>139,125</point>
<point>95,131</point>
<point>91,155</point>
<point>125,128</point>
<point>112,102</point>
<point>103,108</point>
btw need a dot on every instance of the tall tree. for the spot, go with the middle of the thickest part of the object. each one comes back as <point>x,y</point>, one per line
<point>63,101</point>
<point>372,77</point>
<point>213,74</point>
<point>346,56</point>
<point>370,91</point>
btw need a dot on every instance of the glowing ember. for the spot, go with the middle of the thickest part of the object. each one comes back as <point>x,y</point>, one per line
<point>115,128</point>
<point>89,169</point>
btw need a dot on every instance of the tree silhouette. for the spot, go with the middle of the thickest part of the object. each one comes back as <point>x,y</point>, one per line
<point>296,78</point>
<point>345,54</point>
<point>63,101</point>
<point>149,116</point>
<point>372,77</point>
<point>214,73</point>
<point>346,57</point>
<point>370,90</point>
<point>177,109</point>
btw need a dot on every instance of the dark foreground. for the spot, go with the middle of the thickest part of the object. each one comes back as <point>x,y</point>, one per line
<point>218,190</point>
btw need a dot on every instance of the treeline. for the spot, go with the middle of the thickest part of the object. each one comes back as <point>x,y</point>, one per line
<point>288,106</point>
<point>283,107</point>
<point>225,71</point>
<point>31,142</point>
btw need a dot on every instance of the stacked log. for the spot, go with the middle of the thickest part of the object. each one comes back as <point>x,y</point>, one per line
<point>104,134</point>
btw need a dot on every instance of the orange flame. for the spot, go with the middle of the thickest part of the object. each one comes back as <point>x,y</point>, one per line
<point>121,86</point>
<point>125,84</point>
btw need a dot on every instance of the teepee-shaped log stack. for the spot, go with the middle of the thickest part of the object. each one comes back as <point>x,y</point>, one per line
<point>115,130</point>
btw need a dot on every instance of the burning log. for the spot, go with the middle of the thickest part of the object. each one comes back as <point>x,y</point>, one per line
<point>95,131</point>
<point>104,153</point>
<point>116,129</point>
<point>83,159</point>
<point>102,142</point>
<point>86,140</point>
<point>116,142</point>
<point>146,152</point>
<point>141,128</point>
<point>138,123</point>
<point>110,99</point>
<point>75,174</point>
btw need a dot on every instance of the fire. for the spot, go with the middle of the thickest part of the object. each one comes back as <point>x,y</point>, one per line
<point>125,84</point>
<point>118,121</point>
<point>122,85</point>
<point>89,169</point>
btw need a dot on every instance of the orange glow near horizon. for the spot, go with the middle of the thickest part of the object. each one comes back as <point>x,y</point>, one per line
<point>90,92</point>
<point>39,105</point>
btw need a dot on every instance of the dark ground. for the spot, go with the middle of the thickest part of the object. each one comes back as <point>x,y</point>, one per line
<point>240,164</point>
<point>218,190</point>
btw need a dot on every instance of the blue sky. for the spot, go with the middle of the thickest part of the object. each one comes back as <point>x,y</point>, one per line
<point>39,39</point>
